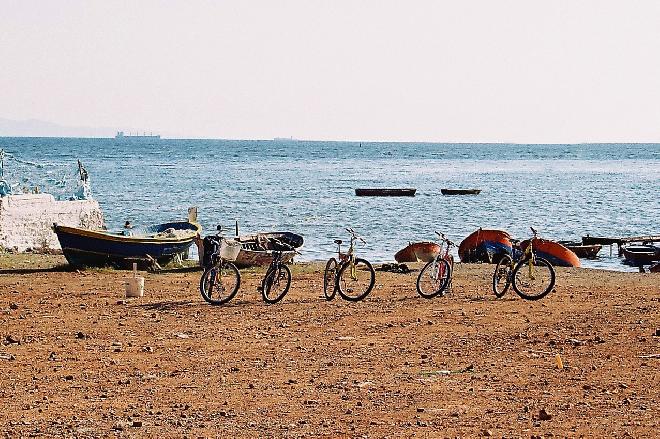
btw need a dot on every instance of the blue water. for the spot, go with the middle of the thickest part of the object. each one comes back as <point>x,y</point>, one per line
<point>565,191</point>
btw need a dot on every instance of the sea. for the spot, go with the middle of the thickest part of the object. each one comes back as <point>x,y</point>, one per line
<point>565,191</point>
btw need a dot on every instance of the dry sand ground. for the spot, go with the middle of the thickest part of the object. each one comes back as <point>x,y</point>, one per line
<point>79,360</point>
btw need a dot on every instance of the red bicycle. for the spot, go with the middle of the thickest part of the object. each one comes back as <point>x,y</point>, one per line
<point>435,277</point>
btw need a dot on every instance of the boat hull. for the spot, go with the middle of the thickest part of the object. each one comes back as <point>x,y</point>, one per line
<point>581,250</point>
<point>460,191</point>
<point>418,251</point>
<point>89,248</point>
<point>641,254</point>
<point>254,253</point>
<point>485,245</point>
<point>553,252</point>
<point>407,192</point>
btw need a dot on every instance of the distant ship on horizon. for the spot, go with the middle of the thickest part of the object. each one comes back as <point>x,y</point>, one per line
<point>151,136</point>
<point>285,139</point>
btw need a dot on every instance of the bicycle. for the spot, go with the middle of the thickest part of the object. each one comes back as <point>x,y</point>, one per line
<point>531,277</point>
<point>349,275</point>
<point>277,280</point>
<point>435,278</point>
<point>221,279</point>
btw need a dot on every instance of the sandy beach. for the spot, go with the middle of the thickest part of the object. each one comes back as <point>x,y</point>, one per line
<point>78,359</point>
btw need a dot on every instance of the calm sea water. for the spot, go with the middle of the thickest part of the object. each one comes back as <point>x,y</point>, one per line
<point>565,191</point>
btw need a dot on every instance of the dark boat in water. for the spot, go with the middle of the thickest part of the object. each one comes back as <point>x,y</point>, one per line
<point>386,192</point>
<point>99,248</point>
<point>418,251</point>
<point>553,252</point>
<point>637,255</point>
<point>257,249</point>
<point>460,191</point>
<point>485,245</point>
<point>582,250</point>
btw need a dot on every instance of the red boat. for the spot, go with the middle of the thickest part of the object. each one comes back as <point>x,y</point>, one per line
<point>553,252</point>
<point>418,251</point>
<point>485,245</point>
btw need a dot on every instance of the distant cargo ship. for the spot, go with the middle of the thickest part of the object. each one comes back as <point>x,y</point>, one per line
<point>121,135</point>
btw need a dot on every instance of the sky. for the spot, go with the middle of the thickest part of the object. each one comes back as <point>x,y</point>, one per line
<point>442,71</point>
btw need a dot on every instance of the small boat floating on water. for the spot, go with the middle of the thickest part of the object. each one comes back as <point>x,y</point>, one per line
<point>460,191</point>
<point>637,255</point>
<point>386,192</point>
<point>485,245</point>
<point>418,251</point>
<point>553,252</point>
<point>582,250</point>
<point>99,248</point>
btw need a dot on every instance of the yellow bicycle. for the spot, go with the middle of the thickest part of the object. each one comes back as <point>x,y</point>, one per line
<point>351,276</point>
<point>531,277</point>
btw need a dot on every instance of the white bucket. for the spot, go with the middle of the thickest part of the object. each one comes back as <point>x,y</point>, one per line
<point>135,284</point>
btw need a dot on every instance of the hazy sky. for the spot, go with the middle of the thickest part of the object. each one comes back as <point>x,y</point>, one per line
<point>482,70</point>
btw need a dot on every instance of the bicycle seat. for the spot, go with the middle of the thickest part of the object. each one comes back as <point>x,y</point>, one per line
<point>338,241</point>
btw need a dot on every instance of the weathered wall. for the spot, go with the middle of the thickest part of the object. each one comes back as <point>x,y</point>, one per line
<point>26,220</point>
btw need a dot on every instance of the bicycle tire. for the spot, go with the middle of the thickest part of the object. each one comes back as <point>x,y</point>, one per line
<point>208,285</point>
<point>502,276</point>
<point>545,278</point>
<point>347,284</point>
<point>438,274</point>
<point>330,279</point>
<point>276,281</point>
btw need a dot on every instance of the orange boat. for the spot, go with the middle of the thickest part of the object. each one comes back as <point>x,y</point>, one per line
<point>485,245</point>
<point>553,252</point>
<point>418,251</point>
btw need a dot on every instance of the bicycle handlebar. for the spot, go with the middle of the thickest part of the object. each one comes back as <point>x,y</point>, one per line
<point>284,244</point>
<point>442,237</point>
<point>355,235</point>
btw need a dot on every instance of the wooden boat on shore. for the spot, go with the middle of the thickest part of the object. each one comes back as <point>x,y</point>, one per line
<point>386,192</point>
<point>418,251</point>
<point>637,255</point>
<point>553,252</point>
<point>485,245</point>
<point>460,191</point>
<point>582,250</point>
<point>257,249</point>
<point>99,248</point>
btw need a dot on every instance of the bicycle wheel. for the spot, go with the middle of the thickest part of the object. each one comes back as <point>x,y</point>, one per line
<point>533,281</point>
<point>434,278</point>
<point>355,284</point>
<point>275,284</point>
<point>330,279</point>
<point>220,283</point>
<point>501,276</point>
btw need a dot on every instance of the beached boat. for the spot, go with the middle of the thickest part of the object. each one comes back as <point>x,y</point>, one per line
<point>98,248</point>
<point>257,249</point>
<point>460,191</point>
<point>553,252</point>
<point>485,245</point>
<point>386,192</point>
<point>655,268</point>
<point>582,250</point>
<point>640,254</point>
<point>418,251</point>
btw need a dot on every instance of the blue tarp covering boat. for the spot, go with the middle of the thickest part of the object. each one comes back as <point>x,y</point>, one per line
<point>97,248</point>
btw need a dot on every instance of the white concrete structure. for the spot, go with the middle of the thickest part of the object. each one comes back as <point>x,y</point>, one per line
<point>26,219</point>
